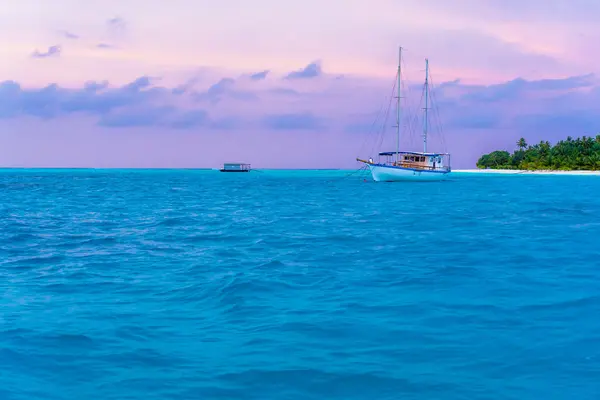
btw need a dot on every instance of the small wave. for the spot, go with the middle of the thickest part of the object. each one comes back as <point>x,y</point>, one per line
<point>50,259</point>
<point>22,238</point>
<point>570,304</point>
<point>315,382</point>
<point>174,221</point>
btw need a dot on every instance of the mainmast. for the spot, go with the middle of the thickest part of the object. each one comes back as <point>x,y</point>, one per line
<point>426,105</point>
<point>398,103</point>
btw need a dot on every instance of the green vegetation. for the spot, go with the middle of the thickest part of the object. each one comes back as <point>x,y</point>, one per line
<point>571,154</point>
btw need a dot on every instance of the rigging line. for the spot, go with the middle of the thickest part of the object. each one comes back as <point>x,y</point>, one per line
<point>434,100</point>
<point>408,133</point>
<point>383,127</point>
<point>389,105</point>
<point>381,135</point>
<point>363,168</point>
<point>425,115</point>
<point>372,129</point>
<point>439,119</point>
<point>375,132</point>
<point>413,122</point>
<point>415,115</point>
<point>409,106</point>
<point>431,131</point>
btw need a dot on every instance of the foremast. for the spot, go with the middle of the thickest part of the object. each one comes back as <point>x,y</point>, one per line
<point>425,127</point>
<point>398,109</point>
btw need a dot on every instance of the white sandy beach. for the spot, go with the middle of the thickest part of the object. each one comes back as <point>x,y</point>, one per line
<point>521,172</point>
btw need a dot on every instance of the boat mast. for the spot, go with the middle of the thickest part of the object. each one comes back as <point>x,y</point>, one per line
<point>426,105</point>
<point>398,103</point>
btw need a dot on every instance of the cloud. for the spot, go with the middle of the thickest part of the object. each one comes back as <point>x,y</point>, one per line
<point>146,116</point>
<point>140,83</point>
<point>105,46</point>
<point>517,10</point>
<point>473,117</point>
<point>284,92</point>
<point>474,120</point>
<point>9,90</point>
<point>584,123</point>
<point>116,26</point>
<point>516,88</point>
<point>95,98</point>
<point>573,82</point>
<point>53,51</point>
<point>93,86</point>
<point>68,35</point>
<point>185,87</point>
<point>135,104</point>
<point>216,91</point>
<point>41,103</point>
<point>312,70</point>
<point>117,22</point>
<point>221,87</point>
<point>295,121</point>
<point>259,75</point>
<point>225,88</point>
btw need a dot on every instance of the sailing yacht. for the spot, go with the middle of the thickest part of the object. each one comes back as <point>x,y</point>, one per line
<point>409,165</point>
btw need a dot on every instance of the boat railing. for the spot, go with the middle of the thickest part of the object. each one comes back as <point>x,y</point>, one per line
<point>420,166</point>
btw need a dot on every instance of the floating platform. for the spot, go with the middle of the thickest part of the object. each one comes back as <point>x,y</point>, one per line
<point>235,167</point>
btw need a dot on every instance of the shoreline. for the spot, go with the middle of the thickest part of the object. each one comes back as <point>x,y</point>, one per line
<point>526,172</point>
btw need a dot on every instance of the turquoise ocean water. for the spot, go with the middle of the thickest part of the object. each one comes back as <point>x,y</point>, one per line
<point>297,285</point>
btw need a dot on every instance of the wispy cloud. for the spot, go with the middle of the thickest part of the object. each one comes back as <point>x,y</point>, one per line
<point>53,51</point>
<point>116,25</point>
<point>284,92</point>
<point>224,88</point>
<point>140,83</point>
<point>259,75</point>
<point>517,88</point>
<point>93,86</point>
<point>220,87</point>
<point>184,87</point>
<point>69,35</point>
<point>312,70</point>
<point>105,46</point>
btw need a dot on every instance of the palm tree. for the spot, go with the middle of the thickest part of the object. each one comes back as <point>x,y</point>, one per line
<point>569,154</point>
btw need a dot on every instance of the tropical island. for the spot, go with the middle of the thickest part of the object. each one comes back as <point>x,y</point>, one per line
<point>567,155</point>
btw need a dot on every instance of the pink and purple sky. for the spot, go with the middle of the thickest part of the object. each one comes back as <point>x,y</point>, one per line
<point>285,84</point>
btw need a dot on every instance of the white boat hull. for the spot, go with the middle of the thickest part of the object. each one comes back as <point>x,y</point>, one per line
<point>384,173</point>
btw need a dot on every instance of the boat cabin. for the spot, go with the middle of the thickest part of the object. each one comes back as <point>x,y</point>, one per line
<point>235,167</point>
<point>414,160</point>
